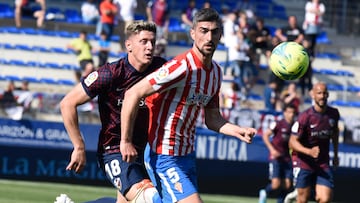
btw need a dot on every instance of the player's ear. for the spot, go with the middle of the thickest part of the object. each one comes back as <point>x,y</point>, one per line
<point>128,45</point>
<point>311,93</point>
<point>192,33</point>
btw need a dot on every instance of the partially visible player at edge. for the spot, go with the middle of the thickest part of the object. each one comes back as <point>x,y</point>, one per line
<point>109,83</point>
<point>280,164</point>
<point>310,139</point>
<point>179,90</point>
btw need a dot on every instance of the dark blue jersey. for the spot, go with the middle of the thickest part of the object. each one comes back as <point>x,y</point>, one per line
<point>109,84</point>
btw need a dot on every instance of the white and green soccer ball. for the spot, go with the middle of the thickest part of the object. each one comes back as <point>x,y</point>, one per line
<point>289,61</point>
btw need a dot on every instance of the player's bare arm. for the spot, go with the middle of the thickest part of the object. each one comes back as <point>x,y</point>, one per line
<point>266,138</point>
<point>215,121</point>
<point>129,110</point>
<point>68,107</point>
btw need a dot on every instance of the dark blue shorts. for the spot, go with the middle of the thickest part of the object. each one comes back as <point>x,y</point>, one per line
<point>308,178</point>
<point>280,169</point>
<point>120,173</point>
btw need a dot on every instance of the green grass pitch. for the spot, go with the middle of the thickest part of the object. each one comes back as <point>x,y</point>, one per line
<point>14,191</point>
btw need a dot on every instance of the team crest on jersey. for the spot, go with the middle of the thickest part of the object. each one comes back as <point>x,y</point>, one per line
<point>91,78</point>
<point>117,183</point>
<point>178,187</point>
<point>331,122</point>
<point>162,73</point>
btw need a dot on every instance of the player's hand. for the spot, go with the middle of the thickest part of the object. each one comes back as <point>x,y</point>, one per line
<point>274,154</point>
<point>128,151</point>
<point>314,152</point>
<point>247,134</point>
<point>78,161</point>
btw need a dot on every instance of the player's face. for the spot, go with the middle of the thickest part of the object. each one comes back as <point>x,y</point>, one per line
<point>141,47</point>
<point>320,95</point>
<point>206,36</point>
<point>289,114</point>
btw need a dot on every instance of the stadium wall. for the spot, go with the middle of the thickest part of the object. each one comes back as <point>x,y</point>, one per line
<point>40,151</point>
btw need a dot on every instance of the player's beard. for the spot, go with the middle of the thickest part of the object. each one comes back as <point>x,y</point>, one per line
<point>206,51</point>
<point>321,103</point>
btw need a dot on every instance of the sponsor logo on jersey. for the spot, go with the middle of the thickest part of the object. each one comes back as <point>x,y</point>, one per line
<point>162,73</point>
<point>91,78</point>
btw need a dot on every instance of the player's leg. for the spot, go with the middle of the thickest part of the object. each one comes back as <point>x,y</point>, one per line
<point>289,175</point>
<point>286,176</point>
<point>143,192</point>
<point>17,16</point>
<point>120,198</point>
<point>130,179</point>
<point>305,180</point>
<point>176,177</point>
<point>192,198</point>
<point>324,186</point>
<point>323,194</point>
<point>291,196</point>
<point>274,186</point>
<point>40,16</point>
<point>303,194</point>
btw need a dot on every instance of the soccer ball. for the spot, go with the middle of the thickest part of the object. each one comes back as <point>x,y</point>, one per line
<point>289,61</point>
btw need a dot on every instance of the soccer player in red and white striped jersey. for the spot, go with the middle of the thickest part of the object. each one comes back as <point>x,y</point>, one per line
<point>179,89</point>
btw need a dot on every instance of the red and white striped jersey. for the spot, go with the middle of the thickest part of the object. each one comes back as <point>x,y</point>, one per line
<point>183,86</point>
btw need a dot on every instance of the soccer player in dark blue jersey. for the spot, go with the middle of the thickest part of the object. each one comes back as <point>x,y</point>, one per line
<point>312,134</point>
<point>109,84</point>
<point>280,169</point>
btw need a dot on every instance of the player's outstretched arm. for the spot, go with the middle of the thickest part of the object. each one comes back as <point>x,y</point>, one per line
<point>68,108</point>
<point>129,109</point>
<point>215,121</point>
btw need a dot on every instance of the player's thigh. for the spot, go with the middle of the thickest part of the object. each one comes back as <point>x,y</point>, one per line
<point>288,183</point>
<point>324,185</point>
<point>176,176</point>
<point>288,174</point>
<point>303,194</point>
<point>275,183</point>
<point>194,198</point>
<point>120,198</point>
<point>304,180</point>
<point>323,193</point>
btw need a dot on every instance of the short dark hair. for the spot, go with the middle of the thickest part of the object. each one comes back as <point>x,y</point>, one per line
<point>207,14</point>
<point>83,32</point>
<point>289,105</point>
<point>138,26</point>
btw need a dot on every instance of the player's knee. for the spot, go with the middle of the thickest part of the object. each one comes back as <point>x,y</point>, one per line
<point>147,193</point>
<point>322,199</point>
